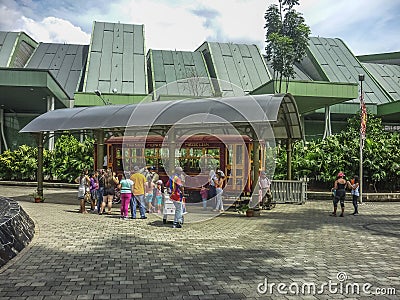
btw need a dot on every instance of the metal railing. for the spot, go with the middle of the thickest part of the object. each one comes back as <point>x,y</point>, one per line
<point>289,191</point>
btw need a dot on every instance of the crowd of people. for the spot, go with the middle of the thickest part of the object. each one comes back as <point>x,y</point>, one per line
<point>142,189</point>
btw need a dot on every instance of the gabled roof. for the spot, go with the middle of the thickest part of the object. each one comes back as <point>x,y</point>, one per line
<point>65,62</point>
<point>298,75</point>
<point>178,73</point>
<point>238,68</point>
<point>116,59</point>
<point>334,62</point>
<point>15,49</point>
<point>388,76</point>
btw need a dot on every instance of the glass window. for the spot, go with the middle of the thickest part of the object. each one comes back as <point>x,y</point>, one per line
<point>239,154</point>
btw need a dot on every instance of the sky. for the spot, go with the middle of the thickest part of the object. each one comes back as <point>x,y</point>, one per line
<point>366,26</point>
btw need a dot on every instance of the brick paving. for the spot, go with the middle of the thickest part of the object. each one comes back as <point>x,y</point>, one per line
<point>75,256</point>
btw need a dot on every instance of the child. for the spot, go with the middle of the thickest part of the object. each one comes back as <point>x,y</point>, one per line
<point>159,195</point>
<point>149,186</point>
<point>355,191</point>
<point>204,195</point>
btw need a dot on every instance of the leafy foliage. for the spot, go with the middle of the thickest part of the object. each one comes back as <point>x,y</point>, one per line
<point>321,160</point>
<point>65,162</point>
<point>287,38</point>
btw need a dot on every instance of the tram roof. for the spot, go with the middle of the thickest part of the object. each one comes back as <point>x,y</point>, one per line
<point>279,110</point>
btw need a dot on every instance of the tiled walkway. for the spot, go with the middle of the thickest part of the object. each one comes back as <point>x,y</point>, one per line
<point>75,256</point>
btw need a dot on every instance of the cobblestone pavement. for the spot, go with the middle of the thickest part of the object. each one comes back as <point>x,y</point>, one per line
<point>75,256</point>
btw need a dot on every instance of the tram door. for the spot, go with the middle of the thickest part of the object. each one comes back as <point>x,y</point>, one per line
<point>237,161</point>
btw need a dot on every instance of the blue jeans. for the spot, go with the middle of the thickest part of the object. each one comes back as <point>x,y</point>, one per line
<point>178,212</point>
<point>355,204</point>
<point>204,203</point>
<point>142,207</point>
<point>99,197</point>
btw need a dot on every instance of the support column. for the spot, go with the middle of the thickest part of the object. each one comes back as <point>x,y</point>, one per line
<point>3,146</point>
<point>328,127</point>
<point>99,149</point>
<point>256,164</point>
<point>289,158</point>
<point>171,150</point>
<point>39,138</point>
<point>50,107</point>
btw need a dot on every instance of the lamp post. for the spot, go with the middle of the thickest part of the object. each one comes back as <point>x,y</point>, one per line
<point>98,93</point>
<point>361,78</point>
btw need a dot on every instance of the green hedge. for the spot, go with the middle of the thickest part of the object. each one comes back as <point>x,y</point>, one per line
<point>321,160</point>
<point>65,163</point>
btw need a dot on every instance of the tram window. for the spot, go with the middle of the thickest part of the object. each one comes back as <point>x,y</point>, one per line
<point>239,154</point>
<point>213,152</point>
<point>239,172</point>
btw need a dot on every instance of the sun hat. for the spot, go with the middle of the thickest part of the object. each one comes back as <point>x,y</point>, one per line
<point>340,174</point>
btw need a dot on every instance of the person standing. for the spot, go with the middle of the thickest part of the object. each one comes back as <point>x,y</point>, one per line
<point>100,191</point>
<point>219,181</point>
<point>110,182</point>
<point>138,193</point>
<point>204,194</point>
<point>211,186</point>
<point>94,188</point>
<point>265,194</point>
<point>159,195</point>
<point>340,193</point>
<point>149,189</point>
<point>126,186</point>
<point>84,182</point>
<point>355,191</point>
<point>177,189</point>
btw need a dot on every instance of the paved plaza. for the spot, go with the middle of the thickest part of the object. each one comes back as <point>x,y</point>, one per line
<point>284,251</point>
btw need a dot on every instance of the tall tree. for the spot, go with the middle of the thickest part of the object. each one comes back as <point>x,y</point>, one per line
<point>287,37</point>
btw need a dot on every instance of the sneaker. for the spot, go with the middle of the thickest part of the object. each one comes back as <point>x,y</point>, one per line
<point>177,226</point>
<point>143,217</point>
<point>341,215</point>
<point>133,217</point>
<point>333,215</point>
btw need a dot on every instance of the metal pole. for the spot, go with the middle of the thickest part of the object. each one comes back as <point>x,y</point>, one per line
<point>289,158</point>
<point>40,164</point>
<point>361,78</point>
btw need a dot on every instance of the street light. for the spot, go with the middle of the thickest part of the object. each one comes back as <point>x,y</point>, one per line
<point>361,78</point>
<point>98,93</point>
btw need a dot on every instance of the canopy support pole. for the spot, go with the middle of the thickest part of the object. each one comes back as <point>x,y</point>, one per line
<point>40,164</point>
<point>171,150</point>
<point>289,158</point>
<point>99,149</point>
<point>256,170</point>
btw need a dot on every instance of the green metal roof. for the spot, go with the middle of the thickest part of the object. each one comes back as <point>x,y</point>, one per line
<point>65,62</point>
<point>178,73</point>
<point>390,112</point>
<point>116,59</point>
<point>391,58</point>
<point>298,75</point>
<point>334,62</point>
<point>15,49</point>
<point>312,95</point>
<point>238,68</point>
<point>26,90</point>
<point>388,76</point>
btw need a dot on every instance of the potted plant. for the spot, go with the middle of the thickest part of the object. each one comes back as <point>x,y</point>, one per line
<point>249,211</point>
<point>37,198</point>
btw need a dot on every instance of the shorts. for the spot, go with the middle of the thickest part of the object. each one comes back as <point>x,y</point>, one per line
<point>149,198</point>
<point>108,192</point>
<point>159,200</point>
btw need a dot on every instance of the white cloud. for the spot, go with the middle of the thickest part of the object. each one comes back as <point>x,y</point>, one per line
<point>166,27</point>
<point>54,30</point>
